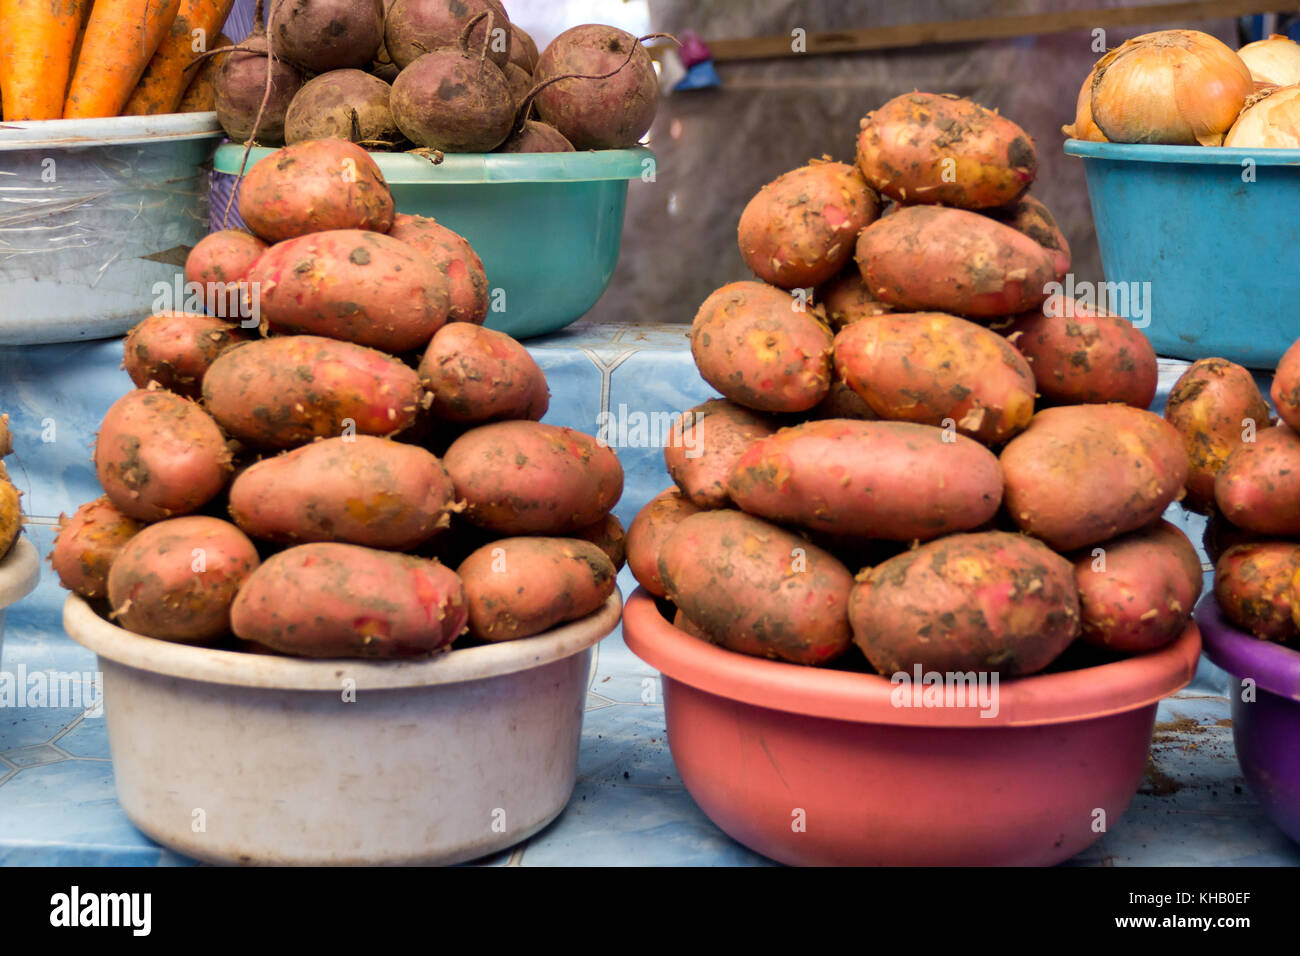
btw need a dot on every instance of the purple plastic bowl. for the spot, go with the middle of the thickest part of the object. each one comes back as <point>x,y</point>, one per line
<point>1267,729</point>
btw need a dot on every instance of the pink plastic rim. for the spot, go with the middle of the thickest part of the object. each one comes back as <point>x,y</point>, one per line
<point>1084,694</point>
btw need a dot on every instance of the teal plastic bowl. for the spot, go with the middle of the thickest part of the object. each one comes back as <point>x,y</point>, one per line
<point>1215,233</point>
<point>546,225</point>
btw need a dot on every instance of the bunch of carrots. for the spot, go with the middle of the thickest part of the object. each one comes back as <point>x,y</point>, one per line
<point>78,59</point>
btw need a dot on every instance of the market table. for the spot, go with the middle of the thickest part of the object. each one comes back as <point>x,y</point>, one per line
<point>57,802</point>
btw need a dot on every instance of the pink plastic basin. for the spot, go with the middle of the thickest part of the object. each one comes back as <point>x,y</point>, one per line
<point>819,767</point>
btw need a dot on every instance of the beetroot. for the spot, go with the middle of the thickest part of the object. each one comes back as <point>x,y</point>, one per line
<point>321,35</point>
<point>342,104</point>
<point>454,101</point>
<point>239,85</point>
<point>415,27</point>
<point>536,137</point>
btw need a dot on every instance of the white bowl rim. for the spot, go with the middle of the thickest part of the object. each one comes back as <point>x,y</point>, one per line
<point>240,669</point>
<point>20,570</point>
<point>108,131</point>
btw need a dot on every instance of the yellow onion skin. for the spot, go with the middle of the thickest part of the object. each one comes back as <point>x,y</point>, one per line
<point>1083,127</point>
<point>1173,87</point>
<point>1275,60</point>
<point>1271,120</point>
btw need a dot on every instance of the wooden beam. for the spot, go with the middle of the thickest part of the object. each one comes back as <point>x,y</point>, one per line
<point>988,28</point>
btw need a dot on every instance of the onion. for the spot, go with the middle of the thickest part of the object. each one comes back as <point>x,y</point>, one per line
<point>1179,87</point>
<point>1271,120</point>
<point>1083,126</point>
<point>1275,60</point>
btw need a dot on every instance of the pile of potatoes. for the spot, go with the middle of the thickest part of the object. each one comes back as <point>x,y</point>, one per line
<point>11,514</point>
<point>450,75</point>
<point>362,475</point>
<point>1245,474</point>
<point>918,450</point>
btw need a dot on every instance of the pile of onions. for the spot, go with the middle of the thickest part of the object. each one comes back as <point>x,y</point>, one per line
<point>1275,60</point>
<point>1177,87</point>
<point>1271,120</point>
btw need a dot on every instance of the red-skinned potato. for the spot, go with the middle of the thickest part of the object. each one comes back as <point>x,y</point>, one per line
<point>176,579</point>
<point>452,256</point>
<point>846,300</point>
<point>799,230</point>
<point>756,588</point>
<point>360,490</point>
<point>1254,583</point>
<point>892,480</point>
<point>343,600</point>
<point>649,530</point>
<point>609,535</point>
<point>219,262</point>
<point>1214,405</point>
<point>1286,387</point>
<point>704,444</point>
<point>934,148</point>
<point>477,374</point>
<point>842,402</point>
<point>1258,487</point>
<point>935,259</point>
<point>1031,217</point>
<point>159,455</point>
<point>987,602</point>
<point>685,624</point>
<point>175,349</point>
<point>762,348</point>
<point>517,587</point>
<point>86,545</point>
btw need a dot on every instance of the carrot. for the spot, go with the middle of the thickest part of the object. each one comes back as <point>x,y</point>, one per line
<point>121,37</point>
<point>36,40</point>
<point>200,96</point>
<point>165,78</point>
<point>76,50</point>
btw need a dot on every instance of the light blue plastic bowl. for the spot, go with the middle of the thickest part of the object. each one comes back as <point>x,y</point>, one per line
<point>546,225</point>
<point>1220,251</point>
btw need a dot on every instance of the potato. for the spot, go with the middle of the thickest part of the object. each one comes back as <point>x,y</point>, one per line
<point>360,490</point>
<point>608,535</point>
<point>933,148</point>
<point>762,348</point>
<point>684,623</point>
<point>86,545</point>
<point>1083,474</point>
<point>219,263</point>
<point>175,580</point>
<point>892,480</point>
<point>1253,584</point>
<point>517,587</point>
<point>354,285</point>
<point>1221,534</point>
<point>1031,217</point>
<point>988,602</point>
<point>937,369</point>
<point>1082,356</point>
<point>842,402</point>
<point>342,600</point>
<point>11,514</point>
<point>756,588</point>
<point>800,228</point>
<point>649,530</point>
<point>318,185</point>
<point>159,455</point>
<point>175,349</point>
<point>704,444</point>
<point>934,259</point>
<point>1214,404</point>
<point>281,392</point>
<point>6,436</point>
<point>1286,387</point>
<point>342,104</point>
<point>1258,487</point>
<point>1137,592</point>
<point>453,257</point>
<point>846,300</point>
<point>524,477</point>
<point>477,374</point>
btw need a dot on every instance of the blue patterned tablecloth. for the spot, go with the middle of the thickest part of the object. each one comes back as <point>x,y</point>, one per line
<point>57,802</point>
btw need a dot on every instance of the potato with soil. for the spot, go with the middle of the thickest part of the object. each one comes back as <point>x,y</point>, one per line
<point>756,588</point>
<point>1083,474</point>
<point>452,256</point>
<point>842,402</point>
<point>988,602</point>
<point>846,300</point>
<point>1214,405</point>
<point>1253,585</point>
<point>609,535</point>
<point>1258,487</point>
<point>610,113</point>
<point>524,477</point>
<point>799,230</point>
<point>894,480</point>
<point>649,530</point>
<point>219,263</point>
<point>476,374</point>
<point>704,444</point>
<point>1137,592</point>
<point>1286,387</point>
<point>452,100</point>
<point>761,348</point>
<point>239,88</point>
<point>359,490</point>
<point>282,392</point>
<point>176,579</point>
<point>536,137</point>
<point>1080,355</point>
<point>415,27</point>
<point>932,148</point>
<point>159,455</point>
<point>353,285</point>
<point>86,545</point>
<point>517,587</point>
<point>175,349</point>
<point>322,35</point>
<point>1032,218</point>
<point>935,259</point>
<point>343,104</point>
<point>937,369</point>
<point>314,186</point>
<point>343,600</point>
<point>11,513</point>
